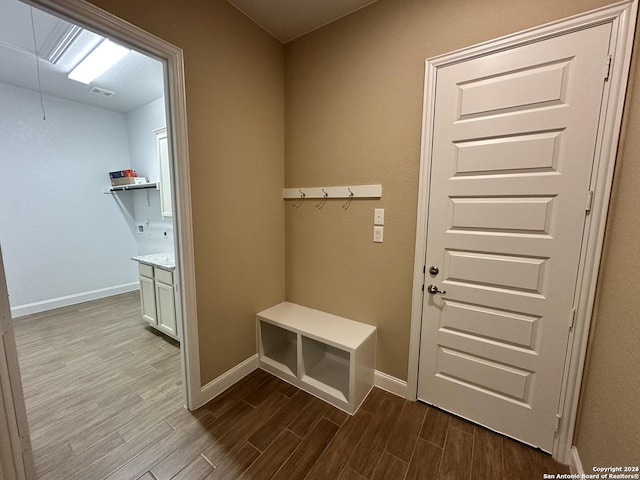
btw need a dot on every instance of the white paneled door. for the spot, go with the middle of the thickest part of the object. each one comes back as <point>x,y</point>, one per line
<point>514,136</point>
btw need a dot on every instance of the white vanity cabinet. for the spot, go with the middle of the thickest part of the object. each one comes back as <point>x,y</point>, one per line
<point>165,302</point>
<point>157,295</point>
<point>147,294</point>
<point>165,172</point>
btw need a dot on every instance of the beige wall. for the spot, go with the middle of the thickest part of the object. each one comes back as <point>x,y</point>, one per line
<point>353,115</point>
<point>235,97</point>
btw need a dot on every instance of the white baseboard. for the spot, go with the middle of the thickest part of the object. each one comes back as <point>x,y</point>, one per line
<point>218,385</point>
<point>576,464</point>
<point>44,305</point>
<point>390,384</point>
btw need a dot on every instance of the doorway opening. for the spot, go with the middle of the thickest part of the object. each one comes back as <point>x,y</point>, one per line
<point>133,210</point>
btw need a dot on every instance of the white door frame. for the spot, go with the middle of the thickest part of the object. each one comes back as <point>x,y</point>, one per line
<point>16,456</point>
<point>622,16</point>
<point>106,24</point>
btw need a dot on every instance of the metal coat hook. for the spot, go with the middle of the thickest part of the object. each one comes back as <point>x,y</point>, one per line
<point>333,192</point>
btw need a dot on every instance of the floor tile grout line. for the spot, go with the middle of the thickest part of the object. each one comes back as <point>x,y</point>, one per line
<point>323,450</point>
<point>502,457</point>
<point>384,448</point>
<point>265,422</point>
<point>179,471</point>
<point>397,457</point>
<point>258,457</point>
<point>266,448</point>
<point>327,447</point>
<point>293,433</point>
<point>418,438</point>
<point>205,425</point>
<point>424,418</point>
<point>444,447</point>
<point>364,434</point>
<point>134,457</point>
<point>207,460</point>
<point>473,447</point>
<point>336,424</point>
<point>287,459</point>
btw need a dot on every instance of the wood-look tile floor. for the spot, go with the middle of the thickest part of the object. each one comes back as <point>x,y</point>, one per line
<point>104,400</point>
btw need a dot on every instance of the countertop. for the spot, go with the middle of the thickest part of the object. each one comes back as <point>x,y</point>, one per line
<point>166,260</point>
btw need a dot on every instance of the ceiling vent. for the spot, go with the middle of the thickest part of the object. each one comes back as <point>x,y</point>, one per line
<point>102,91</point>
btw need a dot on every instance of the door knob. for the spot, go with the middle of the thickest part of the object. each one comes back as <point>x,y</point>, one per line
<point>432,289</point>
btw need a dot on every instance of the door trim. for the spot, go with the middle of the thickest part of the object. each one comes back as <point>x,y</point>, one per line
<point>107,24</point>
<point>622,16</point>
<point>16,455</point>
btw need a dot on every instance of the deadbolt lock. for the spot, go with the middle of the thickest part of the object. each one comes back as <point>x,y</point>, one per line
<point>433,270</point>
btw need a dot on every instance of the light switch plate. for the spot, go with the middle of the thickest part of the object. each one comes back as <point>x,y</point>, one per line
<point>378,234</point>
<point>378,216</point>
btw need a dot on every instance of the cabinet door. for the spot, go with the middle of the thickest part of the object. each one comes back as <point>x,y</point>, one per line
<point>148,300</point>
<point>165,302</point>
<point>165,173</point>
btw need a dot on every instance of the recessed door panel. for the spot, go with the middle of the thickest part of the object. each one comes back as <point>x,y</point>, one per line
<point>476,373</point>
<point>507,214</point>
<point>526,88</point>
<point>504,271</point>
<point>497,325</point>
<point>529,153</point>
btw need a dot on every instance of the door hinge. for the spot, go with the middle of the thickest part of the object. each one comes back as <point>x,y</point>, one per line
<point>607,68</point>
<point>25,443</point>
<point>572,318</point>
<point>589,201</point>
<point>4,325</point>
<point>556,425</point>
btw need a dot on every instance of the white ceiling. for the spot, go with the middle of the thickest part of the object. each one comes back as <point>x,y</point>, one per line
<point>136,80</point>
<point>287,20</point>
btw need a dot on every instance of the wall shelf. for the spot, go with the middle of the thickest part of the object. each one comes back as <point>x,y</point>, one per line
<point>328,356</point>
<point>124,188</point>
<point>349,191</point>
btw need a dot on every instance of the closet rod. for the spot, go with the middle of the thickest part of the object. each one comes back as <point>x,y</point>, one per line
<point>350,191</point>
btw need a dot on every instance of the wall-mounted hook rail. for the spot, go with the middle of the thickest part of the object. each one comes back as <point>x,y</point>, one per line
<point>351,191</point>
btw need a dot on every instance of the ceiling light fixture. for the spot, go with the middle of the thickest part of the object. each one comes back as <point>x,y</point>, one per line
<point>60,40</point>
<point>101,59</point>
